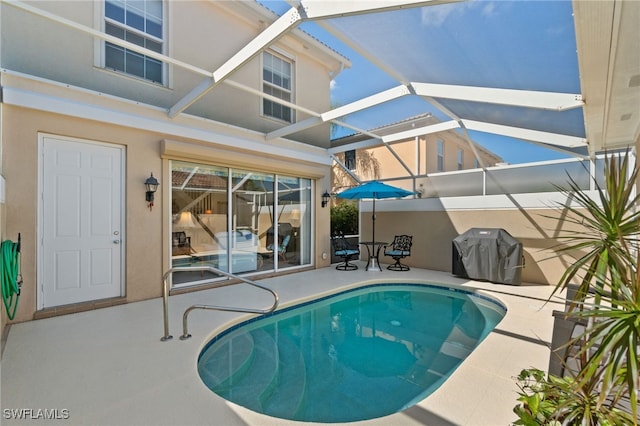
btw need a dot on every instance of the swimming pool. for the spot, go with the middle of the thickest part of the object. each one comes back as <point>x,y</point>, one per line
<point>355,355</point>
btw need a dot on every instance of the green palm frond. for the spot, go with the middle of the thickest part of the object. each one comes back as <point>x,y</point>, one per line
<point>604,246</point>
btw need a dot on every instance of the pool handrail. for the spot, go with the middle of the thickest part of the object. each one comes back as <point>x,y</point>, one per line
<point>165,298</point>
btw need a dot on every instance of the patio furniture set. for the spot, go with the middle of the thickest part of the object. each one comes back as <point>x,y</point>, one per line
<point>399,249</point>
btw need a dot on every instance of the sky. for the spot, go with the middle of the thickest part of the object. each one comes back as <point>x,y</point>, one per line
<point>527,45</point>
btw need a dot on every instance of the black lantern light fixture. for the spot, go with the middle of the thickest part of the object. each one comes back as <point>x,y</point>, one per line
<point>152,186</point>
<point>326,197</point>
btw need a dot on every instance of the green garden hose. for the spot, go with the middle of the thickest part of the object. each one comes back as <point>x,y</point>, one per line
<point>9,271</point>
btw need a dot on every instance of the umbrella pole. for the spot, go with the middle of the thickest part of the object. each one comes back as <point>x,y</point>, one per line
<point>373,219</point>
<point>374,266</point>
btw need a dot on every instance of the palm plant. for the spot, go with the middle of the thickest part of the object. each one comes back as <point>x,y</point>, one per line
<point>607,296</point>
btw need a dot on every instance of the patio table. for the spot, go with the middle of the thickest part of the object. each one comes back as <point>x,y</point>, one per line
<point>373,251</point>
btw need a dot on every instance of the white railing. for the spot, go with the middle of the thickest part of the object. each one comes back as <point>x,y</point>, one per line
<point>185,332</point>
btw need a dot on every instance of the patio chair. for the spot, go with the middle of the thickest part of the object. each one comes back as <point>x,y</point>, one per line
<point>398,250</point>
<point>282,248</point>
<point>341,248</point>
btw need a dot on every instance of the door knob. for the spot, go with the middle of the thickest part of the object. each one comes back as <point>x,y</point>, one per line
<point>116,241</point>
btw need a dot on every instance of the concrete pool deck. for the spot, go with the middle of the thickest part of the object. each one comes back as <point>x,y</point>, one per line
<point>109,367</point>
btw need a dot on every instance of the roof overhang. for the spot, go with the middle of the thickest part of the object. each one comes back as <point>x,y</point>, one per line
<point>608,41</point>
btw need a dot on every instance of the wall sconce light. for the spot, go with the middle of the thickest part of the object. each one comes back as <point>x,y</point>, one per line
<point>326,197</point>
<point>152,186</point>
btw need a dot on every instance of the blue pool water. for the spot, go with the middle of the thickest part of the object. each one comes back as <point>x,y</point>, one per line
<point>360,354</point>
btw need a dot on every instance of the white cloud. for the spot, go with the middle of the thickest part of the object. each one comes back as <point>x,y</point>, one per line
<point>489,9</point>
<point>333,85</point>
<point>437,15</point>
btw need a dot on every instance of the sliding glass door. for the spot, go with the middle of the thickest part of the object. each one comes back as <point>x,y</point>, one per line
<point>238,221</point>
<point>294,219</point>
<point>252,194</point>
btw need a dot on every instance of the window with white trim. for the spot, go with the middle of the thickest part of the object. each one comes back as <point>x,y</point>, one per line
<point>440,147</point>
<point>460,159</point>
<point>139,22</point>
<point>277,80</point>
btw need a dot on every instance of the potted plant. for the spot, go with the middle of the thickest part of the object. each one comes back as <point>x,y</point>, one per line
<point>605,248</point>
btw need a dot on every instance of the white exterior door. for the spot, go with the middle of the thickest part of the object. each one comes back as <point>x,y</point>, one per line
<point>81,256</point>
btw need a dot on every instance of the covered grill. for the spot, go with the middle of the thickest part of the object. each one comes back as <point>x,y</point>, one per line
<point>488,254</point>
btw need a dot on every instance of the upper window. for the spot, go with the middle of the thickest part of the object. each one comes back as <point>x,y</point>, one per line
<point>139,22</point>
<point>440,145</point>
<point>277,75</point>
<point>460,159</point>
<point>350,160</point>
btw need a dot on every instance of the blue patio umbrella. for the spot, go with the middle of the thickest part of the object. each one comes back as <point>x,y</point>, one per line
<point>374,190</point>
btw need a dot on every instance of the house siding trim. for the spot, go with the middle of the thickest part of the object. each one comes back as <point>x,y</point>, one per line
<point>176,150</point>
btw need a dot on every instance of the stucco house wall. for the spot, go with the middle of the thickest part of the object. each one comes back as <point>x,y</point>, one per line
<point>433,233</point>
<point>147,243</point>
<point>420,155</point>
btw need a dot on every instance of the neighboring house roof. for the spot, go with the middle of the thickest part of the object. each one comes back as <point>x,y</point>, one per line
<point>420,120</point>
<point>387,129</point>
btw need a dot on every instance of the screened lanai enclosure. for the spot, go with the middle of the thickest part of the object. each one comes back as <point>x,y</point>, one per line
<point>525,80</point>
<point>528,80</point>
<point>521,79</point>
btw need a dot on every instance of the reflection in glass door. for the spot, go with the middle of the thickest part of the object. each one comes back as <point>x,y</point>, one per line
<point>199,219</point>
<point>251,219</point>
<point>294,221</point>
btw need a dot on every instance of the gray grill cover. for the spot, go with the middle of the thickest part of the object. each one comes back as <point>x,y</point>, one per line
<point>489,254</point>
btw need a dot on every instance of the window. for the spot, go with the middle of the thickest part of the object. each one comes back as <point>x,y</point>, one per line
<point>139,22</point>
<point>350,160</point>
<point>460,159</point>
<point>277,81</point>
<point>440,147</point>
